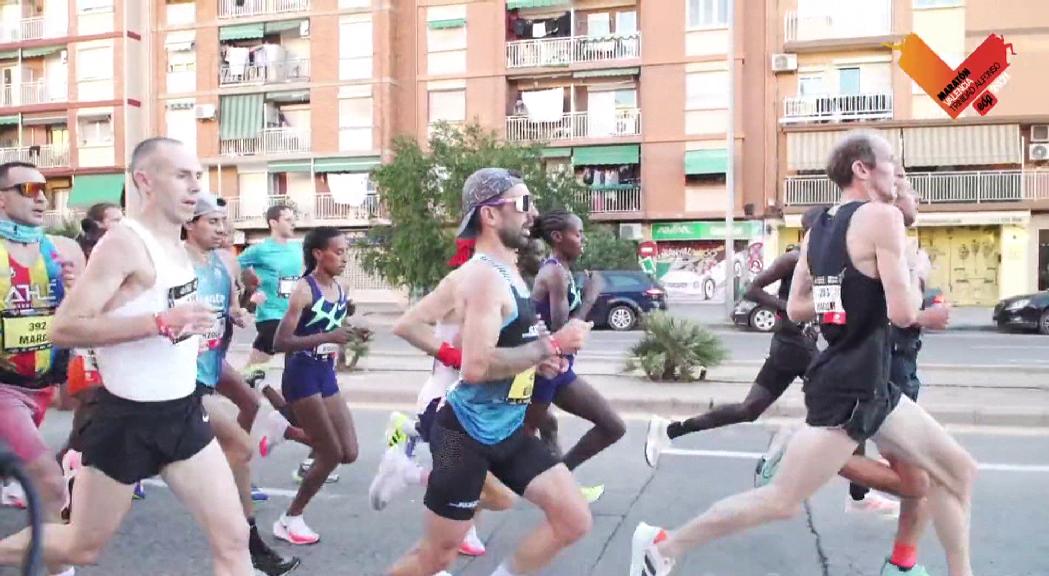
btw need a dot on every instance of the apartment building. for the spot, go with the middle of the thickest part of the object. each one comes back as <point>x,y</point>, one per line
<point>983,180</point>
<point>70,100</point>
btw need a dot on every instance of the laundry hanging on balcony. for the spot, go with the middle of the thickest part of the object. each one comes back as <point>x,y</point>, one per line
<point>545,105</point>
<point>350,189</point>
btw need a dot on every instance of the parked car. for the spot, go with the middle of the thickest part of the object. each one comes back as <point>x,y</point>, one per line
<point>1028,312</point>
<point>750,314</point>
<point>627,294</point>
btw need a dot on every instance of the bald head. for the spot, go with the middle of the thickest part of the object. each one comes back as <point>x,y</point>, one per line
<point>148,149</point>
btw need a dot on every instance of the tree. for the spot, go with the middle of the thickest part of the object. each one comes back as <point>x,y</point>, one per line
<point>606,252</point>
<point>422,192</point>
<point>69,228</point>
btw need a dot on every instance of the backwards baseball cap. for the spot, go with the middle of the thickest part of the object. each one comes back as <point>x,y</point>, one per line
<point>208,203</point>
<point>481,188</point>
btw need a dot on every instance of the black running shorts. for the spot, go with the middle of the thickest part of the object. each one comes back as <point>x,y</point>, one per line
<point>461,463</point>
<point>265,332</point>
<point>789,357</point>
<point>131,441</point>
<point>859,418</point>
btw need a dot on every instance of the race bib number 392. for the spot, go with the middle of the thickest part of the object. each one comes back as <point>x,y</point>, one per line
<point>826,296</point>
<point>27,333</point>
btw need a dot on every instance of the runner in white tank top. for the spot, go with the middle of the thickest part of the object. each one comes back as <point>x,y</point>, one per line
<point>135,305</point>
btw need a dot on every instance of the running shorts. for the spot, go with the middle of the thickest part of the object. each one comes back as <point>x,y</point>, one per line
<point>130,441</point>
<point>305,376</point>
<point>860,418</point>
<point>461,463</point>
<point>21,413</point>
<point>546,389</point>
<point>265,332</point>
<point>789,357</point>
<point>903,372</point>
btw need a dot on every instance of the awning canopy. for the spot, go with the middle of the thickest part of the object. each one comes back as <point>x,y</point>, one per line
<point>90,189</point>
<point>288,96</point>
<point>346,164</point>
<point>242,31</point>
<point>180,40</point>
<point>607,73</point>
<point>962,145</point>
<point>555,153</point>
<point>240,116</point>
<point>290,166</point>
<point>713,161</point>
<point>8,54</point>
<point>8,120</point>
<point>282,25</point>
<point>42,50</point>
<point>603,155</point>
<point>446,23</point>
<point>810,150</point>
<point>511,4</point>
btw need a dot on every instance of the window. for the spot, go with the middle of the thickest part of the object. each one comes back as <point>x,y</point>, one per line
<point>707,13</point>
<point>626,22</point>
<point>85,6</point>
<point>355,49</point>
<point>706,90</point>
<point>447,106</point>
<point>848,81</point>
<point>95,130</point>
<point>355,123</point>
<point>626,282</point>
<point>810,86</point>
<point>95,63</point>
<point>598,24</point>
<point>626,99</point>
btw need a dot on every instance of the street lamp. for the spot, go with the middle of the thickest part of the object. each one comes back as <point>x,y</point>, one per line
<point>730,167</point>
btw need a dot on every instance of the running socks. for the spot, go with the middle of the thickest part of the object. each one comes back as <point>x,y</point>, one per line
<point>255,544</point>
<point>904,556</point>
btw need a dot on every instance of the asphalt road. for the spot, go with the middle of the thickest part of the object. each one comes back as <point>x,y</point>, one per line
<point>159,538</point>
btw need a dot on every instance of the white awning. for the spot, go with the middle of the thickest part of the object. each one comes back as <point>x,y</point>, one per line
<point>180,40</point>
<point>809,150</point>
<point>962,145</point>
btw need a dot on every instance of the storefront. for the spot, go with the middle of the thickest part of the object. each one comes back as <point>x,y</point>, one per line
<point>689,258</point>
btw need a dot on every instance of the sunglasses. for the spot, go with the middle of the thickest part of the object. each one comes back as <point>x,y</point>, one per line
<point>521,203</point>
<point>28,189</point>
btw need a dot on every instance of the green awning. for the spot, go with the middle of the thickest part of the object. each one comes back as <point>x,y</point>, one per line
<point>607,73</point>
<point>290,166</point>
<point>90,189</point>
<point>511,4</point>
<point>242,31</point>
<point>8,120</point>
<point>42,50</point>
<point>599,155</point>
<point>706,162</point>
<point>346,164</point>
<point>282,25</point>
<point>446,24</point>
<point>8,54</point>
<point>240,116</point>
<point>555,153</point>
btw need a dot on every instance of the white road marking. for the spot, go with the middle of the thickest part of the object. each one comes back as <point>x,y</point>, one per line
<point>289,494</point>
<point>755,455</point>
<point>1003,347</point>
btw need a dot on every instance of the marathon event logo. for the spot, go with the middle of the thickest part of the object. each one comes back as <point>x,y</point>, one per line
<point>976,82</point>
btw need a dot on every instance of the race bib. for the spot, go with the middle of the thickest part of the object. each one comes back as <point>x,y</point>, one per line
<point>27,333</point>
<point>521,388</point>
<point>327,349</point>
<point>213,337</point>
<point>182,295</point>
<point>88,357</point>
<point>286,285</point>
<point>826,296</point>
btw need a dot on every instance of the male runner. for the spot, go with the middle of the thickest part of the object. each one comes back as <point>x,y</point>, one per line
<point>852,276</point>
<point>480,426</point>
<point>35,271</point>
<point>135,306</point>
<point>216,288</point>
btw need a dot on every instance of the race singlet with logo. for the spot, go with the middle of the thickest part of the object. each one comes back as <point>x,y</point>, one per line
<point>31,295</point>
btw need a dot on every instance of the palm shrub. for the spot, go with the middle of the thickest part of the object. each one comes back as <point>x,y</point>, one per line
<point>675,349</point>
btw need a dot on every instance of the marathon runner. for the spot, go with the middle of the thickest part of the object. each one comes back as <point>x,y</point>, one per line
<point>215,288</point>
<point>557,298</point>
<point>311,335</point>
<point>852,277</point>
<point>136,307</point>
<point>36,269</point>
<point>480,426</point>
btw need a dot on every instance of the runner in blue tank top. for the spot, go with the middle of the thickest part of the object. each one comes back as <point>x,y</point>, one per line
<point>557,298</point>
<point>311,335</point>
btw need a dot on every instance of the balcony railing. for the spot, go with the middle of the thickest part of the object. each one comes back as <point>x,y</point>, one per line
<point>972,187</point>
<point>612,199</point>
<point>242,8</point>
<point>573,126</point>
<point>572,50</point>
<point>269,141</point>
<point>33,29</point>
<point>322,209</point>
<point>292,70</point>
<point>847,24</point>
<point>44,156</point>
<point>57,218</point>
<point>837,108</point>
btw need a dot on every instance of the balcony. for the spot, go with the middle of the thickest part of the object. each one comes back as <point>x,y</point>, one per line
<point>572,50</point>
<point>291,70</point>
<point>58,218</point>
<point>574,126</point>
<point>849,27</point>
<point>836,108</point>
<point>612,199</point>
<point>323,210</point>
<point>28,93</point>
<point>44,156</point>
<point>32,29</point>
<point>245,8</point>
<point>269,141</point>
<point>968,187</point>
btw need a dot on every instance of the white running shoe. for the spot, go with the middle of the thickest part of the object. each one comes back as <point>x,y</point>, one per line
<point>873,504</point>
<point>657,440</point>
<point>471,544</point>
<point>12,495</point>
<point>293,529</point>
<point>645,559</point>
<point>396,472</point>
<point>273,430</point>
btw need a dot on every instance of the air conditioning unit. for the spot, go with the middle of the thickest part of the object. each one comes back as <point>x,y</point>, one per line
<point>784,62</point>
<point>204,111</point>
<point>630,232</point>
<point>1038,152</point>
<point>1040,133</point>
